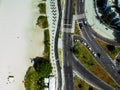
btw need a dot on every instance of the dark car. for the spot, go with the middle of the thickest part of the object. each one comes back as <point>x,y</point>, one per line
<point>80,25</point>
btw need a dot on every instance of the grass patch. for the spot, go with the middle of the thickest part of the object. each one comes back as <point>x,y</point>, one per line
<point>74,7</point>
<point>110,50</point>
<point>47,44</point>
<point>62,3</point>
<point>60,34</point>
<point>31,79</point>
<point>87,60</point>
<point>77,31</point>
<point>34,78</point>
<point>42,8</point>
<point>42,21</point>
<point>79,84</point>
<point>60,55</point>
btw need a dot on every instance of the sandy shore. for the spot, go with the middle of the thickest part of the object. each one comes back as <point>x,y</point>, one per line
<point>20,40</point>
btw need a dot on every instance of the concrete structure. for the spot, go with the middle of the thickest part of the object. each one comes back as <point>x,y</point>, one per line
<point>46,81</point>
<point>105,8</point>
<point>54,20</point>
<point>52,83</point>
<point>49,83</point>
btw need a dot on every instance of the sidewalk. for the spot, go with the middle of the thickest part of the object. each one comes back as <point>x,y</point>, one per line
<point>52,30</point>
<point>95,24</point>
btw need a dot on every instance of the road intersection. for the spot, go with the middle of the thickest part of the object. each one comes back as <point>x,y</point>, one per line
<point>70,63</point>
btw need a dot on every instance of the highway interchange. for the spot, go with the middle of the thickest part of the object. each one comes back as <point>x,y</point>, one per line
<point>70,63</point>
<point>103,59</point>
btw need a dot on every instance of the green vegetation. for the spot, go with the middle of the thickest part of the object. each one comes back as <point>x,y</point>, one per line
<point>60,55</point>
<point>77,31</point>
<point>47,44</point>
<point>81,85</point>
<point>34,78</point>
<point>62,3</point>
<point>106,19</point>
<point>87,60</point>
<point>60,34</point>
<point>42,21</point>
<point>110,50</point>
<point>42,8</point>
<point>31,79</point>
<point>42,67</point>
<point>74,7</point>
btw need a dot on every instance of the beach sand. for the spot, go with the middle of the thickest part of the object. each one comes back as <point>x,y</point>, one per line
<point>20,40</point>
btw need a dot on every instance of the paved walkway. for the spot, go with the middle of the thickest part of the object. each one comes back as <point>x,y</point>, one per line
<point>52,16</point>
<point>95,24</point>
<point>52,29</point>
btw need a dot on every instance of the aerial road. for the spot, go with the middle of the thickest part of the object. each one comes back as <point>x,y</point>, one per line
<point>69,62</point>
<point>59,78</point>
<point>87,76</point>
<point>103,59</point>
<point>67,43</point>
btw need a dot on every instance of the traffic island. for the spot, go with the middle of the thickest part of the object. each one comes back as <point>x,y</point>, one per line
<point>88,61</point>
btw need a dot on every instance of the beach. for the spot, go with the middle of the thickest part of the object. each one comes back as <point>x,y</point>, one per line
<point>20,40</point>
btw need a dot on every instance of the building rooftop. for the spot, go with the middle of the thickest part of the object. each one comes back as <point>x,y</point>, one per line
<point>49,83</point>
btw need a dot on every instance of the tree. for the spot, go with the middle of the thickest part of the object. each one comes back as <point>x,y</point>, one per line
<point>90,88</point>
<point>110,47</point>
<point>31,79</point>
<point>42,66</point>
<point>80,85</point>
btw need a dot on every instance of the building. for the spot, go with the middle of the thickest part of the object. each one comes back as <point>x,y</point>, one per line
<point>112,15</point>
<point>52,83</point>
<point>46,81</point>
<point>49,83</point>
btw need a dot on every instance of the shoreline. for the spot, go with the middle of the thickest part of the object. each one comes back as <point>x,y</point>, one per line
<point>21,39</point>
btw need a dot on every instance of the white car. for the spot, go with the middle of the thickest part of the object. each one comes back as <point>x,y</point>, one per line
<point>90,48</point>
<point>85,43</point>
<point>94,54</point>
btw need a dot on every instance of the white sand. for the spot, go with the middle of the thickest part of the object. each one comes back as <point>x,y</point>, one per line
<point>20,40</point>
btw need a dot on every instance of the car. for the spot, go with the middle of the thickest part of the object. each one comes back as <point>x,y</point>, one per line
<point>81,25</point>
<point>87,46</point>
<point>98,54</point>
<point>90,48</point>
<point>113,67</point>
<point>85,43</point>
<point>94,54</point>
<point>82,41</point>
<point>85,22</point>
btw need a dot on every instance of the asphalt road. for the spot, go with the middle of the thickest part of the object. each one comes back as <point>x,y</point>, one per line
<point>104,60</point>
<point>80,6</point>
<point>68,14</point>
<point>87,76</point>
<point>67,65</point>
<point>59,79</point>
<point>67,42</point>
